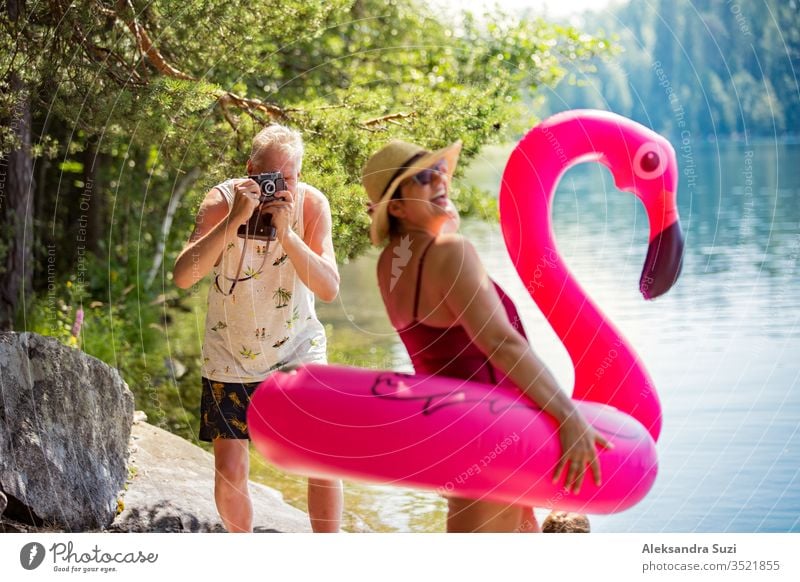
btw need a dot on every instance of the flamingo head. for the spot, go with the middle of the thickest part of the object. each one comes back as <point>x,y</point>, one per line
<point>645,165</point>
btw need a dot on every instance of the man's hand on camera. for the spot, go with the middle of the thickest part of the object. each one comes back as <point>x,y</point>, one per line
<point>282,211</point>
<point>245,201</point>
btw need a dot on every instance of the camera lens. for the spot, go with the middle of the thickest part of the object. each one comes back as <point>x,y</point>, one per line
<point>268,187</point>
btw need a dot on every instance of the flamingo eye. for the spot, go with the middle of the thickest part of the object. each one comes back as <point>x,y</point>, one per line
<point>649,163</point>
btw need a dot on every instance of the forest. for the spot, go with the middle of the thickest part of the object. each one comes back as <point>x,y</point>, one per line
<point>730,68</point>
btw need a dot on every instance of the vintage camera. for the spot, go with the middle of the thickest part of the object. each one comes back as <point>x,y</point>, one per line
<point>259,227</point>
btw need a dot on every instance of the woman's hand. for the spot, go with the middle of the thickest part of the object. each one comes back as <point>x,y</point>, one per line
<point>578,448</point>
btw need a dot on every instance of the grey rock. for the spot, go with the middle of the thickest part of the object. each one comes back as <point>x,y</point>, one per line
<point>175,367</point>
<point>9,527</point>
<point>65,421</point>
<point>171,489</point>
<point>3,502</point>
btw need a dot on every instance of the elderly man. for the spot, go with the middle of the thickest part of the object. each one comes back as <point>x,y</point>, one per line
<point>261,315</point>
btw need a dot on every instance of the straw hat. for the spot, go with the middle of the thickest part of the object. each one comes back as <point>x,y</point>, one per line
<point>386,170</point>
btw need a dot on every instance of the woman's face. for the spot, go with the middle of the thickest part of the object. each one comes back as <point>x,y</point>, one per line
<point>424,201</point>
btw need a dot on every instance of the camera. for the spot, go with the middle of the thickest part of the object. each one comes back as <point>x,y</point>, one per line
<point>259,227</point>
<point>269,183</point>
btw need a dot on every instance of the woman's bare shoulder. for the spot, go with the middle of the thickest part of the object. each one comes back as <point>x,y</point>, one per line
<point>452,246</point>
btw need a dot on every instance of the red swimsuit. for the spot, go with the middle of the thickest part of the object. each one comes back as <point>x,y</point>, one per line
<point>450,351</point>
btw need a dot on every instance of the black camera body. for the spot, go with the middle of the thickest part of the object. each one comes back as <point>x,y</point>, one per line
<point>259,227</point>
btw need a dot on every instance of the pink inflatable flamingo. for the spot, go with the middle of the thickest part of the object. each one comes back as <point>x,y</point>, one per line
<point>642,162</point>
<point>479,441</point>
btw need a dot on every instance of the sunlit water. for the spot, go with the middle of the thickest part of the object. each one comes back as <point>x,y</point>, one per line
<point>723,346</point>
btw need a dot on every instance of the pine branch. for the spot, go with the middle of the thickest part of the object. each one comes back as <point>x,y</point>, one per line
<point>147,48</point>
<point>379,123</point>
<point>251,106</point>
<point>232,121</point>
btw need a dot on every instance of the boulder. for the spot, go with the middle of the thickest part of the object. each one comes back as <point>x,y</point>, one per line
<point>65,422</point>
<point>171,489</point>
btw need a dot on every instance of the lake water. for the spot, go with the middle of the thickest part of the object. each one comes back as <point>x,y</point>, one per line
<point>723,346</point>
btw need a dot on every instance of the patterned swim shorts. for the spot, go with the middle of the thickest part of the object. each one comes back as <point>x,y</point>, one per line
<point>223,409</point>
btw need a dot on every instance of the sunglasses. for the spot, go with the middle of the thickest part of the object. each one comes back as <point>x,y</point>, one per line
<point>425,177</point>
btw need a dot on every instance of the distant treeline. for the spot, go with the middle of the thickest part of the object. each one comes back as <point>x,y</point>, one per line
<point>729,67</point>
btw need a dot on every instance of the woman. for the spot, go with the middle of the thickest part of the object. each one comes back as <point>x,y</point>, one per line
<point>454,320</point>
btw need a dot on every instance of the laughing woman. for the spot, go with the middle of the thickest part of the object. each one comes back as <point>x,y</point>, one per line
<point>454,320</point>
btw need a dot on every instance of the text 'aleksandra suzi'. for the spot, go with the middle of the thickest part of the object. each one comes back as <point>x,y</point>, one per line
<point>693,549</point>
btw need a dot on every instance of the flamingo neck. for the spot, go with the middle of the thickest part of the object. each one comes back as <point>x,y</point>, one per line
<point>607,369</point>
<point>567,307</point>
<point>549,281</point>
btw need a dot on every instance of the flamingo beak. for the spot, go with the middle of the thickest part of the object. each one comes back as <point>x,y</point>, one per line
<point>663,263</point>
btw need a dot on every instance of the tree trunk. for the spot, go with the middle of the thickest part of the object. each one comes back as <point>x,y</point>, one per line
<point>16,205</point>
<point>94,193</point>
<point>177,194</point>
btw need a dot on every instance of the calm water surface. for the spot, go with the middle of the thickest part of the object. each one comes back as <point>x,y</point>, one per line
<point>723,346</point>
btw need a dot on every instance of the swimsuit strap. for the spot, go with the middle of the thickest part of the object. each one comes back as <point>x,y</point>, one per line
<point>419,280</point>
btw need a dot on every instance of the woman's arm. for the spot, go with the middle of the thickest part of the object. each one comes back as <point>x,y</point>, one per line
<point>471,298</point>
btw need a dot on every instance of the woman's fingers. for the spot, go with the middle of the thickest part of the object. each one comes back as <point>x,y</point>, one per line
<point>595,466</point>
<point>590,459</point>
<point>570,475</point>
<point>577,464</point>
<point>594,460</point>
<point>573,472</point>
<point>604,442</point>
<point>575,458</point>
<point>562,462</point>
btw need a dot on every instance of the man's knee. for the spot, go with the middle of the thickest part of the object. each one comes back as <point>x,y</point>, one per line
<point>232,464</point>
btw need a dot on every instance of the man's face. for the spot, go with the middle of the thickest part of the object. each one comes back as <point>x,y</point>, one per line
<point>271,161</point>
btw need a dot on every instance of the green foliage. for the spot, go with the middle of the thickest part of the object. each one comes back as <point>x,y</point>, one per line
<point>472,201</point>
<point>330,66</point>
<point>349,347</point>
<point>127,329</point>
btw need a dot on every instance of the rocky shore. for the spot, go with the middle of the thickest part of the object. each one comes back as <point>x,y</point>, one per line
<point>74,457</point>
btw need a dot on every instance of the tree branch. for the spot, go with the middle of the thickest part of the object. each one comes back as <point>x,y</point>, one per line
<point>251,106</point>
<point>379,123</point>
<point>181,187</point>
<point>148,49</point>
<point>227,115</point>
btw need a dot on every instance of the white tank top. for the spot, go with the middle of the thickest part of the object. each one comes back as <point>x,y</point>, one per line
<point>269,322</point>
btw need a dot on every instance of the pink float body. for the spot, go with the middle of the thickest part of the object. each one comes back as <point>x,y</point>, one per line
<point>478,441</point>
<point>459,438</point>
